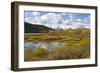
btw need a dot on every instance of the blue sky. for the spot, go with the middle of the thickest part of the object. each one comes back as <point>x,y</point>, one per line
<point>56,20</point>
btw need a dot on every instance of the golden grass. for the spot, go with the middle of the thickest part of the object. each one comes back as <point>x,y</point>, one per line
<point>77,45</point>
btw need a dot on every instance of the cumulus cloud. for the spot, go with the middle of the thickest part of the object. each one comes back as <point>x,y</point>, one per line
<point>59,20</point>
<point>80,23</point>
<point>36,17</point>
<point>29,19</point>
<point>36,14</point>
<point>44,19</point>
<point>51,19</point>
<point>66,22</point>
<point>54,18</point>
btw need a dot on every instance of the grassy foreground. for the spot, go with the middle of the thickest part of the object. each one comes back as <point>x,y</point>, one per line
<point>77,45</point>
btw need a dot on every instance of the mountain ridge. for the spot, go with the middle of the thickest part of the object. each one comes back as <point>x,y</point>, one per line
<point>34,28</point>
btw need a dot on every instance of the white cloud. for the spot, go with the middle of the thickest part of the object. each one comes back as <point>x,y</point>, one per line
<point>63,26</point>
<point>79,20</point>
<point>51,20</point>
<point>80,23</point>
<point>54,18</point>
<point>87,20</point>
<point>44,19</point>
<point>32,21</point>
<point>59,16</point>
<point>35,13</point>
<point>64,13</point>
<point>28,19</point>
<point>66,22</point>
<point>36,18</point>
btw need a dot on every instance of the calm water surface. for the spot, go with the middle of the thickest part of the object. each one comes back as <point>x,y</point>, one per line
<point>46,45</point>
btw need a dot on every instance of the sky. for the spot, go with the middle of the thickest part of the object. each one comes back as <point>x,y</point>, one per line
<point>63,20</point>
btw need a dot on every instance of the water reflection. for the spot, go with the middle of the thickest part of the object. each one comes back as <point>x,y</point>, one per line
<point>46,45</point>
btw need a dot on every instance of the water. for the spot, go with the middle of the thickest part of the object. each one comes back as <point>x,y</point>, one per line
<point>46,45</point>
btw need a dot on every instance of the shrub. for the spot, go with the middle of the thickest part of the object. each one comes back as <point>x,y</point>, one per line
<point>39,52</point>
<point>66,53</point>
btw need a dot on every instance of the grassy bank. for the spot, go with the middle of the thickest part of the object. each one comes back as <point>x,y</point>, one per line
<point>76,46</point>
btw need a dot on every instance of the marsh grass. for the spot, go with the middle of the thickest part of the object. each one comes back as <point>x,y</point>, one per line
<point>76,46</point>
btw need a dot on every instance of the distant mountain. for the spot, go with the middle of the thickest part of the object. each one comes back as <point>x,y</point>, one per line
<point>34,28</point>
